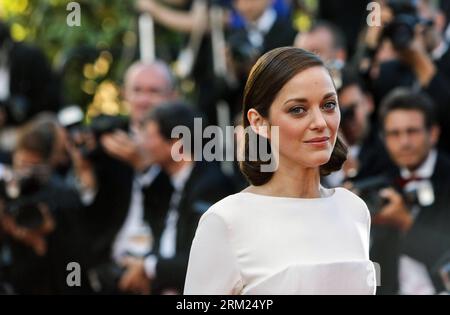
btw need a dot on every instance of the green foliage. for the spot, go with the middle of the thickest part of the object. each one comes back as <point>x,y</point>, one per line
<point>108,28</point>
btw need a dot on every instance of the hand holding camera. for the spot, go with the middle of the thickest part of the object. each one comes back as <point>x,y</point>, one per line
<point>416,56</point>
<point>407,32</point>
<point>395,212</point>
<point>121,146</point>
<point>24,215</point>
<point>32,237</point>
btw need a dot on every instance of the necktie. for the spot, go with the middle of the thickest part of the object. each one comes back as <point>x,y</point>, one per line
<point>402,182</point>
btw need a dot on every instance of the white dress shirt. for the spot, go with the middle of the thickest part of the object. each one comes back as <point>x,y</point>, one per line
<point>132,236</point>
<point>256,31</point>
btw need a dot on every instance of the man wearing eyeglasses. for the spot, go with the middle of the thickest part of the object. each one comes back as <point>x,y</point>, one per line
<point>411,231</point>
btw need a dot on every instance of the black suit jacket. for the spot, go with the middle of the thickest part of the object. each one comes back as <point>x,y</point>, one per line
<point>205,186</point>
<point>102,220</point>
<point>428,239</point>
<point>373,158</point>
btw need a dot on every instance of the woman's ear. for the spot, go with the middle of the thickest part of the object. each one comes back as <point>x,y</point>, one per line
<point>259,124</point>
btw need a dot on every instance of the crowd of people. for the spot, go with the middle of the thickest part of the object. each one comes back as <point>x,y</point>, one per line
<point>109,195</point>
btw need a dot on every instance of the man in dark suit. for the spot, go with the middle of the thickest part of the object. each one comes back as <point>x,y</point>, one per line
<point>264,29</point>
<point>119,165</point>
<point>38,223</point>
<point>196,186</point>
<point>260,30</point>
<point>422,64</point>
<point>410,234</point>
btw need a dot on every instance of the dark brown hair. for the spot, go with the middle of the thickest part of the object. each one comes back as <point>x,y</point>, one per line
<point>267,77</point>
<point>403,98</point>
<point>39,136</point>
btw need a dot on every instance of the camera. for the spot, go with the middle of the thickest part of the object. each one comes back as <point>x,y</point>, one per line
<point>368,189</point>
<point>22,194</point>
<point>401,30</point>
<point>72,118</point>
<point>101,125</point>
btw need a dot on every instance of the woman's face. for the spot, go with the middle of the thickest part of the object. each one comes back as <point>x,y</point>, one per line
<point>306,111</point>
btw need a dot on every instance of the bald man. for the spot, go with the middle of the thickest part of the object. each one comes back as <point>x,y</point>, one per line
<point>145,86</point>
<point>115,219</point>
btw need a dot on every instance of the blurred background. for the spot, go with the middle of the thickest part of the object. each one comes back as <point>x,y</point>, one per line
<point>85,178</point>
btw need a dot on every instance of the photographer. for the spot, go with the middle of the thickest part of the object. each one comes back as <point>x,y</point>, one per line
<point>409,50</point>
<point>262,30</point>
<point>113,222</point>
<point>38,215</point>
<point>194,187</point>
<point>410,232</point>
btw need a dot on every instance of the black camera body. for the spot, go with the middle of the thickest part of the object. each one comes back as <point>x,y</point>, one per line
<point>23,202</point>
<point>104,124</point>
<point>401,30</point>
<point>100,125</point>
<point>369,190</point>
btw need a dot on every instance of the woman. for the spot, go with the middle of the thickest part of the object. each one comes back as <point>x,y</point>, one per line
<point>286,234</point>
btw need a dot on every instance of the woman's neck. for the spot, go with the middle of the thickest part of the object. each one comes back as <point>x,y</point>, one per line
<point>292,181</point>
